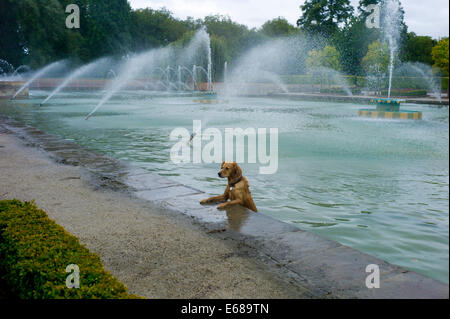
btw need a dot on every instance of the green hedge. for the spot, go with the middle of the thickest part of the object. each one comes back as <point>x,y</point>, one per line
<point>340,90</point>
<point>398,82</point>
<point>405,93</point>
<point>34,254</point>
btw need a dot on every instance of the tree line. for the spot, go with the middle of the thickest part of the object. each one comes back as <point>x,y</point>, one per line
<point>33,32</point>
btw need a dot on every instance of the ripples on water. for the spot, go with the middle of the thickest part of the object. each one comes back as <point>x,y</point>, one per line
<point>380,186</point>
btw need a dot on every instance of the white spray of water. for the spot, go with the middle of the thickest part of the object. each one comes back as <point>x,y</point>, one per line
<point>258,65</point>
<point>39,74</point>
<point>391,27</point>
<point>155,59</point>
<point>334,76</point>
<point>200,42</point>
<point>129,71</point>
<point>426,73</point>
<point>76,74</point>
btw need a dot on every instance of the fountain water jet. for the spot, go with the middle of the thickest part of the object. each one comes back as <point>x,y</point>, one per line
<point>24,67</point>
<point>77,73</point>
<point>391,28</point>
<point>41,72</point>
<point>129,71</point>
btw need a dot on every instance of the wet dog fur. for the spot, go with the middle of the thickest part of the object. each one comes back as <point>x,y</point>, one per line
<point>237,191</point>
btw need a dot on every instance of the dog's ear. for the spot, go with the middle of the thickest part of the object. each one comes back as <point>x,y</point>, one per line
<point>237,169</point>
<point>222,164</point>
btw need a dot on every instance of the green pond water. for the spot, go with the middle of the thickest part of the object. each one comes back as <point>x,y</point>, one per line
<point>379,186</point>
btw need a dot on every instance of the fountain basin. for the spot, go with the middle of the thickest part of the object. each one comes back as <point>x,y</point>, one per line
<point>389,109</point>
<point>404,115</point>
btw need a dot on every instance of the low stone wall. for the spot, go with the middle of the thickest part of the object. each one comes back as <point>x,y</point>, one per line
<point>9,88</point>
<point>92,84</point>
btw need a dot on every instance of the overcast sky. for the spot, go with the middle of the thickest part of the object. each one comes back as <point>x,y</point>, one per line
<point>424,17</point>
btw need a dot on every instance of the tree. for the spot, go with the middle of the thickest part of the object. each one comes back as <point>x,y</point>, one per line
<point>155,28</point>
<point>376,61</point>
<point>11,41</point>
<point>440,55</point>
<point>42,27</point>
<point>106,27</point>
<point>352,43</point>
<point>320,62</point>
<point>278,27</point>
<point>418,49</point>
<point>327,58</point>
<point>324,16</point>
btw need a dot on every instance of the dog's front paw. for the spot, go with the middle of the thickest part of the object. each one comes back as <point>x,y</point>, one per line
<point>221,206</point>
<point>204,201</point>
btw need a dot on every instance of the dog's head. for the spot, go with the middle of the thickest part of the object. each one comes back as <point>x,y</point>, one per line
<point>230,170</point>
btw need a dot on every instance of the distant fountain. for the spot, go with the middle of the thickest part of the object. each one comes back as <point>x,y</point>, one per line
<point>129,71</point>
<point>198,49</point>
<point>191,74</point>
<point>5,67</point>
<point>391,28</point>
<point>111,74</point>
<point>209,66</point>
<point>155,59</point>
<point>179,78</point>
<point>432,85</point>
<point>194,76</point>
<point>20,68</point>
<point>333,76</point>
<point>225,79</point>
<point>76,74</point>
<point>40,73</point>
<point>258,70</point>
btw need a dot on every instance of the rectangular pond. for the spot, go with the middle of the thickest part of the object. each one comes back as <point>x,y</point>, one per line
<point>379,186</point>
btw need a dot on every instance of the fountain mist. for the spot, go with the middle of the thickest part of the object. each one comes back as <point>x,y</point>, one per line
<point>38,74</point>
<point>391,27</point>
<point>161,59</point>
<point>77,73</point>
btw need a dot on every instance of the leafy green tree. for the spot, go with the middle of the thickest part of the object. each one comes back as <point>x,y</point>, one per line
<point>377,58</point>
<point>106,27</point>
<point>376,61</point>
<point>278,27</point>
<point>440,55</point>
<point>324,16</point>
<point>11,41</point>
<point>418,49</point>
<point>42,27</point>
<point>319,62</point>
<point>352,43</point>
<point>327,58</point>
<point>155,28</point>
<point>233,35</point>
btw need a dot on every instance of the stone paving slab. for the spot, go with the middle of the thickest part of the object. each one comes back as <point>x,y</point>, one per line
<point>148,181</point>
<point>166,192</point>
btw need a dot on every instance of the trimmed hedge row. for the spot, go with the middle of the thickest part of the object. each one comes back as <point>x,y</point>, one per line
<point>340,90</point>
<point>398,82</point>
<point>405,93</point>
<point>34,254</point>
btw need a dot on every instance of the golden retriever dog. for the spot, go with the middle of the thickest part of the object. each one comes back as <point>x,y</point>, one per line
<point>237,191</point>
